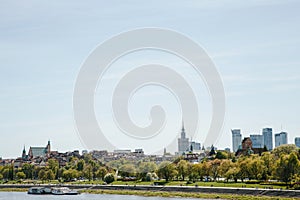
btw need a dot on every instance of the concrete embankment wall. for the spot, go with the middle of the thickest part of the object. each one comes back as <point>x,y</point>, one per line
<point>218,190</point>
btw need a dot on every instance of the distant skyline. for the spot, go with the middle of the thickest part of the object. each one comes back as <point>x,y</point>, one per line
<point>254,45</point>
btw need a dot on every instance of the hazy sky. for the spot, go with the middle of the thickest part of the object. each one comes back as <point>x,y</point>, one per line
<point>255,46</point>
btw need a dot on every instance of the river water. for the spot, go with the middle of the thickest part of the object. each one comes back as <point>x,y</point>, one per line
<point>25,196</point>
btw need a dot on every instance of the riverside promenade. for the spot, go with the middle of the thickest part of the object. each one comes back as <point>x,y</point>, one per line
<point>187,189</point>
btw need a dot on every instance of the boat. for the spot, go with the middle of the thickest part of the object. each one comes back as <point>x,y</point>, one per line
<point>63,191</point>
<point>39,190</point>
<point>54,191</point>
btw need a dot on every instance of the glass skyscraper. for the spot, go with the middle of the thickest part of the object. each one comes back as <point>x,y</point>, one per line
<point>236,139</point>
<point>268,138</point>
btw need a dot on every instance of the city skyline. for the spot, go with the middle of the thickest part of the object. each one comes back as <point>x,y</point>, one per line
<point>254,46</point>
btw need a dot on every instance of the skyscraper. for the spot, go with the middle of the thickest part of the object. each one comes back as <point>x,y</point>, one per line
<point>297,141</point>
<point>280,139</point>
<point>183,142</point>
<point>236,139</point>
<point>268,138</point>
<point>257,141</point>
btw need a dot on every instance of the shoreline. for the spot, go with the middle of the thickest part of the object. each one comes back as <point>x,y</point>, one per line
<point>170,191</point>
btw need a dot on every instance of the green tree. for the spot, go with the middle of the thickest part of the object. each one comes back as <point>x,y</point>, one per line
<point>182,168</point>
<point>70,174</point>
<point>166,170</point>
<point>198,171</point>
<point>284,150</point>
<point>88,172</point>
<point>42,174</point>
<point>269,163</point>
<point>256,168</point>
<point>221,155</point>
<point>206,166</point>
<point>224,167</point>
<point>5,173</point>
<point>146,167</point>
<point>127,170</point>
<point>215,164</point>
<point>233,174</point>
<point>49,175</point>
<point>286,167</point>
<point>28,170</point>
<point>102,171</point>
<point>109,178</point>
<point>80,165</point>
<point>20,175</point>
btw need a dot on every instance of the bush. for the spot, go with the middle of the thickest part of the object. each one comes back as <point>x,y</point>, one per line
<point>109,178</point>
<point>151,176</point>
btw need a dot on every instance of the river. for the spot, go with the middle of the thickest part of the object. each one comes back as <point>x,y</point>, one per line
<point>25,196</point>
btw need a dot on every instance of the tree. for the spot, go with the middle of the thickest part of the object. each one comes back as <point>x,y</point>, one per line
<point>80,165</point>
<point>5,173</point>
<point>70,174</point>
<point>150,176</point>
<point>42,174</point>
<point>28,170</point>
<point>244,168</point>
<point>88,172</point>
<point>284,150</point>
<point>256,168</point>
<point>53,165</point>
<point>224,167</point>
<point>198,171</point>
<point>182,168</point>
<point>232,173</point>
<point>127,170</point>
<point>109,178</point>
<point>1,176</point>
<point>269,160</point>
<point>215,168</point>
<point>102,171</point>
<point>206,166</point>
<point>146,167</point>
<point>221,155</point>
<point>166,170</point>
<point>20,175</point>
<point>49,175</point>
<point>286,167</point>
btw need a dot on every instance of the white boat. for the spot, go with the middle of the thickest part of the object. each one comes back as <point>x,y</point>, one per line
<point>63,191</point>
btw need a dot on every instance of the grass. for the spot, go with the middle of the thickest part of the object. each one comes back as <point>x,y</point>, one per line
<point>185,195</point>
<point>13,189</point>
<point>171,183</point>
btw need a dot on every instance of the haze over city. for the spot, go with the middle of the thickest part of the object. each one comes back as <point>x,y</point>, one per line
<point>254,46</point>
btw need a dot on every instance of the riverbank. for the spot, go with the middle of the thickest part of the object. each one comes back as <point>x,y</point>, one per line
<point>186,195</point>
<point>172,191</point>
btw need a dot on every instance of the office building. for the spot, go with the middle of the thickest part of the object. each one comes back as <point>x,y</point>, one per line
<point>268,138</point>
<point>297,141</point>
<point>257,141</point>
<point>236,139</point>
<point>280,139</point>
<point>195,146</point>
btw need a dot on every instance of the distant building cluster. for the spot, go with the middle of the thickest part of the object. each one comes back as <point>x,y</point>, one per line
<point>185,145</point>
<point>259,142</point>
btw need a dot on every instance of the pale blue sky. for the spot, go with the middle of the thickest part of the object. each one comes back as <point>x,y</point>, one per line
<point>255,46</point>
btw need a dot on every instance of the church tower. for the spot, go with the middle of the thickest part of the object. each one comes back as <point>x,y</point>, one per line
<point>24,154</point>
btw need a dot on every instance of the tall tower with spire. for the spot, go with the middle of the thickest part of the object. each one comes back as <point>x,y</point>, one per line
<point>24,153</point>
<point>183,142</point>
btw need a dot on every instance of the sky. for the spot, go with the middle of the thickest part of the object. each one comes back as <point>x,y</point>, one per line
<point>255,46</point>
